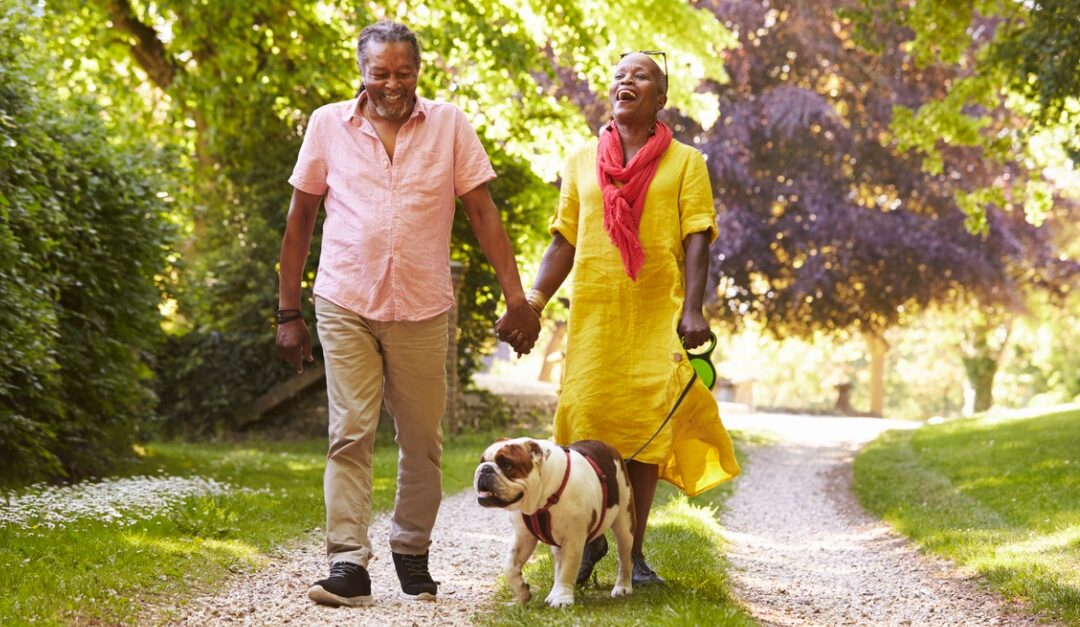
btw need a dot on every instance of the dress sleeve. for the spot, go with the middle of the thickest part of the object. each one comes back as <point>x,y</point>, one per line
<point>696,210</point>
<point>471,164</point>
<point>565,221</point>
<point>309,173</point>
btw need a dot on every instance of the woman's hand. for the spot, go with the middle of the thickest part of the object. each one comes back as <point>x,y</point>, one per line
<point>693,329</point>
<point>519,327</point>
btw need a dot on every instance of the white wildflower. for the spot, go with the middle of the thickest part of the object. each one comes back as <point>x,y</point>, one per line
<point>113,500</point>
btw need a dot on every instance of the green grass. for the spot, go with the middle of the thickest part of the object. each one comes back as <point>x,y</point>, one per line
<point>999,496</point>
<point>98,572</point>
<point>683,545</point>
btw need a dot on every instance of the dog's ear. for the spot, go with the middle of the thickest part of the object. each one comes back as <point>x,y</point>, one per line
<point>536,451</point>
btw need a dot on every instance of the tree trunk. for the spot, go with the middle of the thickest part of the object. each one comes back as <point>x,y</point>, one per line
<point>553,345</point>
<point>984,345</point>
<point>878,347</point>
<point>980,373</point>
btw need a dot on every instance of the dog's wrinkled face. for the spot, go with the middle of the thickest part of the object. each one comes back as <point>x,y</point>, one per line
<point>505,470</point>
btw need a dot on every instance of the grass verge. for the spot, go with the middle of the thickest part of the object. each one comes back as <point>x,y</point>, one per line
<point>95,571</point>
<point>684,545</point>
<point>999,496</point>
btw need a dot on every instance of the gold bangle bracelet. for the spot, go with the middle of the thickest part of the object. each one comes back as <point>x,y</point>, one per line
<point>537,300</point>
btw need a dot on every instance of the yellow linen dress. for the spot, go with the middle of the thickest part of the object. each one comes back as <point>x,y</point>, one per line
<point>625,365</point>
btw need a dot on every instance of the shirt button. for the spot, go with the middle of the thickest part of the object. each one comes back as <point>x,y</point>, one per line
<point>677,357</point>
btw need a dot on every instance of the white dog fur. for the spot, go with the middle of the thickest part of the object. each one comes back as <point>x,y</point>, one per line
<point>520,475</point>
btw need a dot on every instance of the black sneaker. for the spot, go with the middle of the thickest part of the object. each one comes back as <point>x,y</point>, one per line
<point>416,581</point>
<point>594,552</point>
<point>643,575</point>
<point>348,584</point>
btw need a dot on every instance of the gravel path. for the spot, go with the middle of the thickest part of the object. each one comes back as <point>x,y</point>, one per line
<point>466,556</point>
<point>805,553</point>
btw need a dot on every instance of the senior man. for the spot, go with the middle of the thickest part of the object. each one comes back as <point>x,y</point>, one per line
<point>388,166</point>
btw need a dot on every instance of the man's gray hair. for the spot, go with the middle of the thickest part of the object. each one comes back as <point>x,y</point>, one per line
<point>385,32</point>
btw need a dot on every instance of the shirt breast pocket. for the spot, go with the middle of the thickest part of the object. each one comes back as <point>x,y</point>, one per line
<point>431,168</point>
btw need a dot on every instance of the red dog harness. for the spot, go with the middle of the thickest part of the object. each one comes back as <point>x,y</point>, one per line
<point>539,522</point>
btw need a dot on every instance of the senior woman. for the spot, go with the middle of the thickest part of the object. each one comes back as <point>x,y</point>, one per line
<point>634,222</point>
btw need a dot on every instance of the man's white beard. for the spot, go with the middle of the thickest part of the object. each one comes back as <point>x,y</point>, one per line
<point>392,112</point>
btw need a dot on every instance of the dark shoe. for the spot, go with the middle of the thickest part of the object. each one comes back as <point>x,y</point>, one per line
<point>416,582</point>
<point>643,575</point>
<point>348,584</point>
<point>594,552</point>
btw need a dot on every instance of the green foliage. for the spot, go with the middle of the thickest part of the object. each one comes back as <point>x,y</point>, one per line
<point>233,84</point>
<point>1015,69</point>
<point>83,236</point>
<point>999,496</point>
<point>525,202</point>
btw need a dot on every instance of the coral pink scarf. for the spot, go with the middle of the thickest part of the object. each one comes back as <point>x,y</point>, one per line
<point>623,206</point>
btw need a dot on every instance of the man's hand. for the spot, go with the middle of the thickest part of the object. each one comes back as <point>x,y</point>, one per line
<point>294,343</point>
<point>519,327</point>
<point>693,329</point>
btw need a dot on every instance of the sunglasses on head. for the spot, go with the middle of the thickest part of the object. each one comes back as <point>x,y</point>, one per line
<point>650,53</point>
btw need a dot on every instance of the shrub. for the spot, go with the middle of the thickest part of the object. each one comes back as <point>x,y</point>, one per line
<point>83,234</point>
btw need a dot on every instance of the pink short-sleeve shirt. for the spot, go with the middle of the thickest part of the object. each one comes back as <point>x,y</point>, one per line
<point>386,239</point>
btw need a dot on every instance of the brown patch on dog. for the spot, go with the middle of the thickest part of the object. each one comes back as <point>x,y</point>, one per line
<point>606,458</point>
<point>515,460</point>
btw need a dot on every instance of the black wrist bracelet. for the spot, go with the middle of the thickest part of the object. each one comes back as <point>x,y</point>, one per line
<point>288,315</point>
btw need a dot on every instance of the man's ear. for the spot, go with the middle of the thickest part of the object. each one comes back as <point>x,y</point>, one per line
<point>661,101</point>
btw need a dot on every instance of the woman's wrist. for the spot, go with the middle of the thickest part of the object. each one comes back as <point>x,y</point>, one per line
<point>537,300</point>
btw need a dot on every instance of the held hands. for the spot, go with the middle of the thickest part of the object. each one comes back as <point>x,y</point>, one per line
<point>693,329</point>
<point>519,327</point>
<point>294,343</point>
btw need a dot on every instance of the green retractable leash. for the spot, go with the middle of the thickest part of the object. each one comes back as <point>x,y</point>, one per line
<point>702,363</point>
<point>704,370</point>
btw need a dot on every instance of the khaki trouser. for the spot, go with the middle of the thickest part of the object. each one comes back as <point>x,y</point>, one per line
<point>403,364</point>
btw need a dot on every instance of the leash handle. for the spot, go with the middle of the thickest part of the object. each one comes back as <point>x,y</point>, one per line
<point>686,390</point>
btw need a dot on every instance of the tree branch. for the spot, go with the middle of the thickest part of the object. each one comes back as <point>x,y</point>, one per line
<point>148,49</point>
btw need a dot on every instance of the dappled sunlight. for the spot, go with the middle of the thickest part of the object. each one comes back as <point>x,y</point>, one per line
<point>192,546</point>
<point>304,467</point>
<point>1063,540</point>
<point>814,429</point>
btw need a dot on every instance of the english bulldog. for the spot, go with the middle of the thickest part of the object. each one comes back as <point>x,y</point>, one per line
<point>564,497</point>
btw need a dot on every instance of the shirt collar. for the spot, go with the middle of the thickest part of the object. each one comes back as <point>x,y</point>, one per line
<point>354,114</point>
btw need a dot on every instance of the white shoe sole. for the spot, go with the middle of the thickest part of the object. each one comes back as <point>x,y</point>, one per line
<point>423,596</point>
<point>319,595</point>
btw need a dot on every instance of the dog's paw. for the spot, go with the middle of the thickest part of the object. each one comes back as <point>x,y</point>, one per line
<point>561,601</point>
<point>524,593</point>
<point>621,591</point>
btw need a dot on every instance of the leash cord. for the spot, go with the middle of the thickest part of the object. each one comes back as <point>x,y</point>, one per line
<point>671,413</point>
